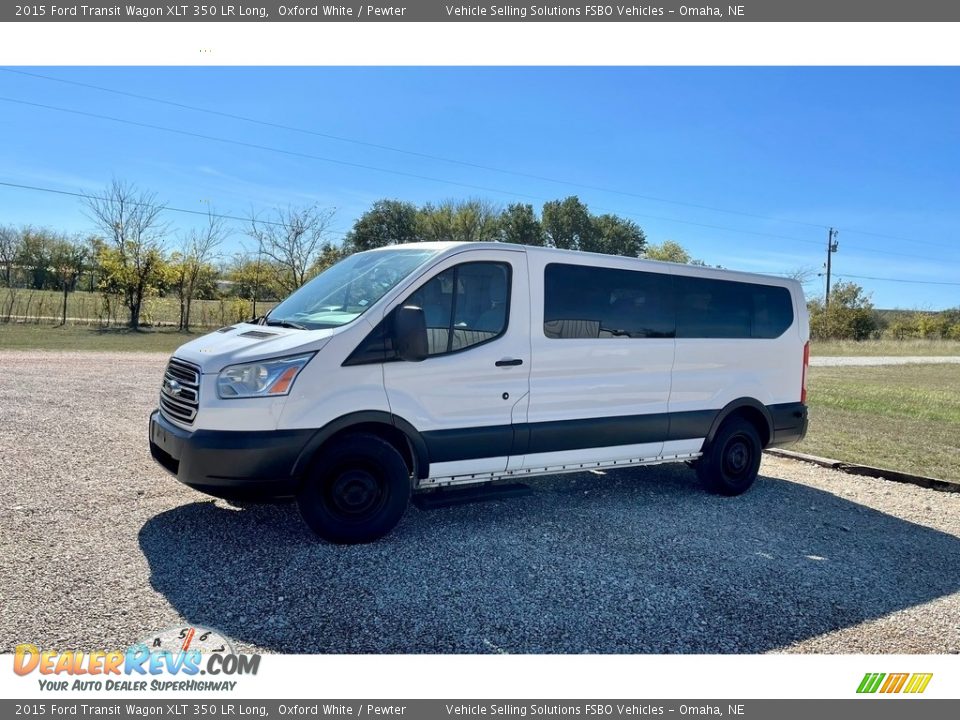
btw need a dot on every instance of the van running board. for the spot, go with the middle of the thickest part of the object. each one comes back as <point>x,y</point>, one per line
<point>436,499</point>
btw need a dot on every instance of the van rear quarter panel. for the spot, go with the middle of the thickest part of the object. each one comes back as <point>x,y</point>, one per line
<point>711,373</point>
<point>708,374</point>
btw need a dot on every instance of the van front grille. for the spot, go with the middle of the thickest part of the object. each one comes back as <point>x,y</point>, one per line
<point>180,391</point>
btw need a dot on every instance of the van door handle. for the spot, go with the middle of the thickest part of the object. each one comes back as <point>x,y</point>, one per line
<point>508,362</point>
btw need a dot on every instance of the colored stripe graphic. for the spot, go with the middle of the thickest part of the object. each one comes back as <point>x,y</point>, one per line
<point>894,683</point>
<point>870,682</point>
<point>918,683</point>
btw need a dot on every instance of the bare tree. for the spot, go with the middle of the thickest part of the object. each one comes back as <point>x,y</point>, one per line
<point>200,247</point>
<point>131,221</point>
<point>293,239</point>
<point>10,240</point>
<point>805,275</point>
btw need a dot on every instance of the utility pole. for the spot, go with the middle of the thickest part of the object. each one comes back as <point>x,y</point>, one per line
<point>831,249</point>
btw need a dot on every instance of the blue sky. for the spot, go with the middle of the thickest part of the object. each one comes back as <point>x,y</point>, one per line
<point>745,167</point>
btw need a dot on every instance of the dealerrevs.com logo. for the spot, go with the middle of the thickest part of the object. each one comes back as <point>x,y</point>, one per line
<point>182,653</point>
<point>910,683</point>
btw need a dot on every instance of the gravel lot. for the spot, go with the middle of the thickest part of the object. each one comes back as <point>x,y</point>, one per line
<point>99,547</point>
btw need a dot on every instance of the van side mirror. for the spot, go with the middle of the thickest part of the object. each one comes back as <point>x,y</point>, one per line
<point>410,333</point>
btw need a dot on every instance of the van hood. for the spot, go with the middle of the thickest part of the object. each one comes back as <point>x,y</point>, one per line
<point>245,342</point>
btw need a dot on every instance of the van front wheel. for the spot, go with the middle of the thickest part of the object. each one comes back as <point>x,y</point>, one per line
<point>730,462</point>
<point>356,490</point>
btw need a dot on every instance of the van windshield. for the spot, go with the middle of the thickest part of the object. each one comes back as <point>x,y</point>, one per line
<point>344,291</point>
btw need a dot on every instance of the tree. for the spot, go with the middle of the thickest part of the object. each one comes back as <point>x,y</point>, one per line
<point>461,221</point>
<point>68,259</point>
<point>33,258</point>
<point>435,222</point>
<point>388,222</point>
<point>249,278</point>
<point>132,263</point>
<point>568,224</point>
<point>199,249</point>
<point>10,239</point>
<point>617,236</point>
<point>330,255</point>
<point>292,240</point>
<point>851,315</point>
<point>475,221</point>
<point>519,224</point>
<point>668,251</point>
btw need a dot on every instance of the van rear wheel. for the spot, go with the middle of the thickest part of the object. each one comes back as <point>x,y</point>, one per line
<point>731,461</point>
<point>355,491</point>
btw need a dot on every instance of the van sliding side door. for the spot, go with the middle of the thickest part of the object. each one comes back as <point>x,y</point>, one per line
<point>603,351</point>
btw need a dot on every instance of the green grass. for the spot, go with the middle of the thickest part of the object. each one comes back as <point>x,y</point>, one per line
<point>904,417</point>
<point>15,336</point>
<point>884,347</point>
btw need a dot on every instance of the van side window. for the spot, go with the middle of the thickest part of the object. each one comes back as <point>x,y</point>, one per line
<point>592,302</point>
<point>464,306</point>
<point>708,308</point>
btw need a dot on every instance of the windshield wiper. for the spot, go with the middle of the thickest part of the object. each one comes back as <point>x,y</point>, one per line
<point>286,324</point>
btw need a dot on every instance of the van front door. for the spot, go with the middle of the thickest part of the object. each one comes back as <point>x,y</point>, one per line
<point>465,397</point>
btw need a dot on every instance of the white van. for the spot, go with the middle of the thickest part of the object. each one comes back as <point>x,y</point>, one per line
<point>415,367</point>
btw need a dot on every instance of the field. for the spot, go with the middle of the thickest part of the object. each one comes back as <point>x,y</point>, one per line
<point>903,417</point>
<point>83,307</point>
<point>872,348</point>
<point>85,337</point>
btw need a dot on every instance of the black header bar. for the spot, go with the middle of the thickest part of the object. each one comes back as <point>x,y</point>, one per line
<point>448,11</point>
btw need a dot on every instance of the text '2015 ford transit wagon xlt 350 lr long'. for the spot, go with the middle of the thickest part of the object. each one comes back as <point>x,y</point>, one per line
<point>426,365</point>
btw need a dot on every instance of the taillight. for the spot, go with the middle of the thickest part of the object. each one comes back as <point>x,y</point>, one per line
<point>803,380</point>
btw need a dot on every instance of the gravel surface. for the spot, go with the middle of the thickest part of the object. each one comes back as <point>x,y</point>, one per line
<point>99,547</point>
<point>834,360</point>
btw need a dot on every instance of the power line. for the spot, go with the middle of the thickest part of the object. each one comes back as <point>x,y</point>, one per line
<point>320,158</point>
<point>898,238</point>
<point>88,196</point>
<point>412,153</point>
<point>897,280</point>
<point>267,222</point>
<point>454,161</point>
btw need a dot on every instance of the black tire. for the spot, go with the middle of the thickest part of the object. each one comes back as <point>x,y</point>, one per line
<point>355,491</point>
<point>730,463</point>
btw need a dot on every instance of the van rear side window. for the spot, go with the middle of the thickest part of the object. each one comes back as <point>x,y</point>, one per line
<point>592,302</point>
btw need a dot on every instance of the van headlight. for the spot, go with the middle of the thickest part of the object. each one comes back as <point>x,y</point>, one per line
<point>265,378</point>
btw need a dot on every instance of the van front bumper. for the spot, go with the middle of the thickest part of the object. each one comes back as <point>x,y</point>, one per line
<point>251,465</point>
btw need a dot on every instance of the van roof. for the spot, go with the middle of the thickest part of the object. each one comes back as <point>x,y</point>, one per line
<point>581,257</point>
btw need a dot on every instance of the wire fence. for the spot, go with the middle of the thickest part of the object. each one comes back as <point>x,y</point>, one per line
<point>20,305</point>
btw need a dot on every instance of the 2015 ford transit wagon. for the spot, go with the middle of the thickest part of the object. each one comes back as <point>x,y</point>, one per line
<point>426,365</point>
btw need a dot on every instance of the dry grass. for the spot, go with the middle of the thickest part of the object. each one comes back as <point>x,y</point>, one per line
<point>884,347</point>
<point>15,336</point>
<point>904,417</point>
